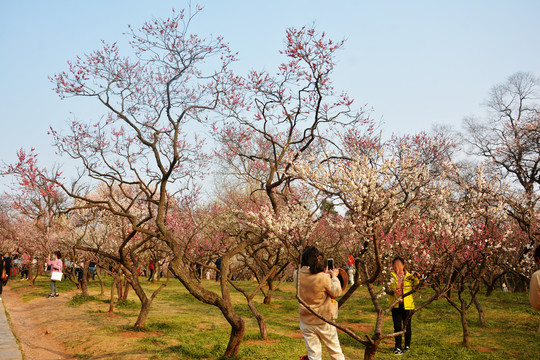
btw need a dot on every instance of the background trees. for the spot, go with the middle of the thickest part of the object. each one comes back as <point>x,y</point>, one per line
<point>508,138</point>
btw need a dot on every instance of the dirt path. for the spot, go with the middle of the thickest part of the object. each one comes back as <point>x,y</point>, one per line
<point>35,326</point>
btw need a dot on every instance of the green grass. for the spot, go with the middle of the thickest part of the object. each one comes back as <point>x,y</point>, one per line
<point>79,299</point>
<point>181,327</point>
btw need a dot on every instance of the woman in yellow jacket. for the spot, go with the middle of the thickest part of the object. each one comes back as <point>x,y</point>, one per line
<point>401,282</point>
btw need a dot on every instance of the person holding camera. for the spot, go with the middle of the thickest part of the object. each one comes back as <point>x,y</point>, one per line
<point>318,289</point>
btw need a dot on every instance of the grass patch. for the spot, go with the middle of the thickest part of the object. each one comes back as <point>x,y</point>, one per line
<point>80,299</point>
<point>128,305</point>
<point>181,327</point>
<point>82,356</point>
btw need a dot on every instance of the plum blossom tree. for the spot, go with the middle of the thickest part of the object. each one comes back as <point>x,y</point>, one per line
<point>98,233</point>
<point>270,120</point>
<point>379,184</point>
<point>453,240</point>
<point>145,147</point>
<point>37,203</point>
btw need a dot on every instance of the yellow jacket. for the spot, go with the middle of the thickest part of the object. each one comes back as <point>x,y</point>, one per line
<point>409,283</point>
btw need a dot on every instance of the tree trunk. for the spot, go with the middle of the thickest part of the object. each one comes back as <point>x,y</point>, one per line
<point>145,300</point>
<point>143,314</point>
<point>490,289</point>
<point>237,335</point>
<point>224,303</point>
<point>465,327</point>
<point>119,288</point>
<point>123,290</point>
<point>84,287</point>
<point>271,289</point>
<point>100,282</point>
<point>111,302</point>
<point>481,312</point>
<point>371,350</point>
<point>260,320</point>
<point>34,277</point>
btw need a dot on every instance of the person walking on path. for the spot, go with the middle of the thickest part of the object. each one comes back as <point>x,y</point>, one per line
<point>401,282</point>
<point>318,289</point>
<point>56,266</point>
<point>5,270</point>
<point>534,288</point>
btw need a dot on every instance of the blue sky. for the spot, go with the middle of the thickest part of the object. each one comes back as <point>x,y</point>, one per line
<point>417,63</point>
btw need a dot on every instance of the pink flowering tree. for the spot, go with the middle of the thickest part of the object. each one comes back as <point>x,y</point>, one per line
<point>271,119</point>
<point>453,240</point>
<point>36,202</point>
<point>146,146</point>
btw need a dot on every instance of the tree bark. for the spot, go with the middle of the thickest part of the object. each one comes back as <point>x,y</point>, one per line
<point>465,326</point>
<point>114,284</point>
<point>481,312</point>
<point>260,320</point>
<point>271,289</point>
<point>119,287</point>
<point>34,277</point>
<point>223,303</point>
<point>100,282</point>
<point>371,350</point>
<point>237,335</point>
<point>123,292</point>
<point>490,289</point>
<point>143,313</point>
<point>145,300</point>
<point>84,287</point>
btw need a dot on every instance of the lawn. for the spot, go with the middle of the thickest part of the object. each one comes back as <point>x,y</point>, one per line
<point>180,327</point>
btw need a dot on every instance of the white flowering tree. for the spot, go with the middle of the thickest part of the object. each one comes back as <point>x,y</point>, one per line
<point>508,138</point>
<point>379,184</point>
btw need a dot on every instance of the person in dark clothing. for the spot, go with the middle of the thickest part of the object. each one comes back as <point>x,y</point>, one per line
<point>218,265</point>
<point>92,269</point>
<point>25,267</point>
<point>5,270</point>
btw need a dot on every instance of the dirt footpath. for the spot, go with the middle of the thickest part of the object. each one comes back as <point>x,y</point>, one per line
<point>36,326</point>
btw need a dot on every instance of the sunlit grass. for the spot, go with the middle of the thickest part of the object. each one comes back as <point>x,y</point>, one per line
<point>181,327</point>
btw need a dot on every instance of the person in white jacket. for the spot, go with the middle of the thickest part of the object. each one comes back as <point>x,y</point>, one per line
<point>318,289</point>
